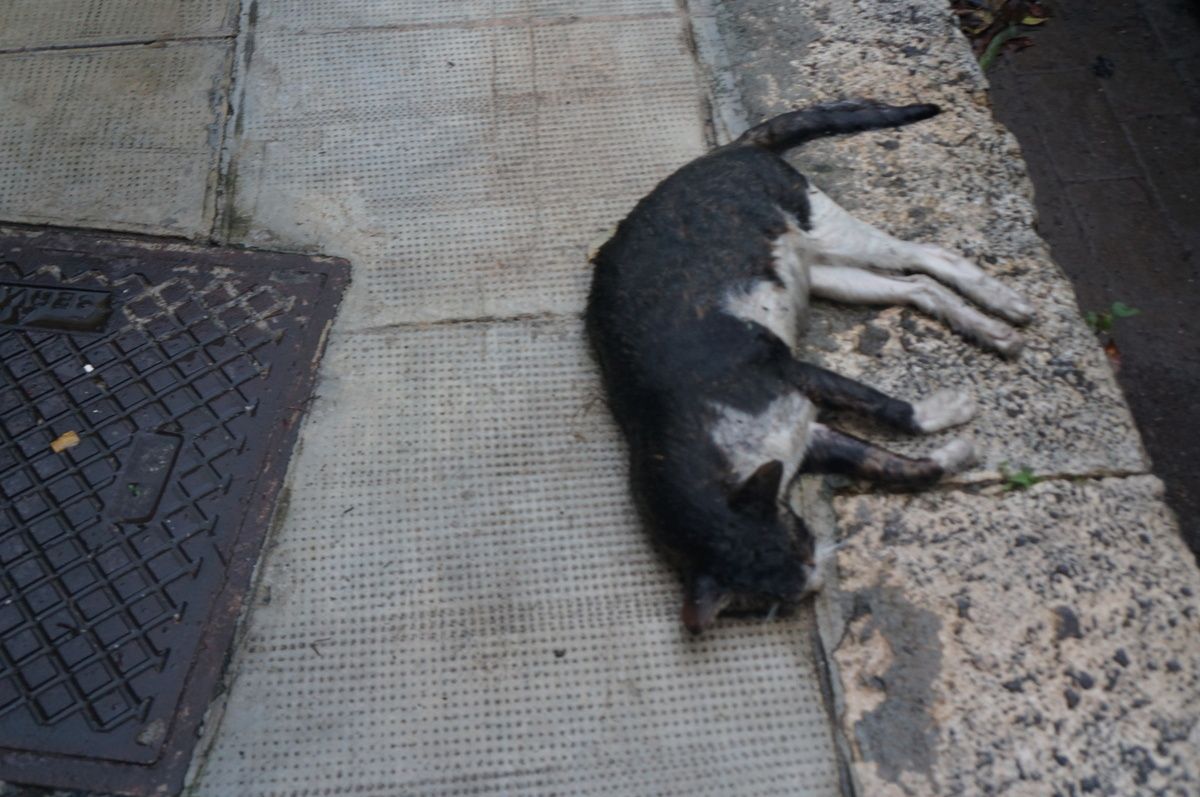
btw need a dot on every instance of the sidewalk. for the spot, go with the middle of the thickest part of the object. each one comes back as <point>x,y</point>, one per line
<point>457,598</point>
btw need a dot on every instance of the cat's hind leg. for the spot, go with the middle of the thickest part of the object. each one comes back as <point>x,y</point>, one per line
<point>859,286</point>
<point>839,238</point>
<point>831,451</point>
<point>934,413</point>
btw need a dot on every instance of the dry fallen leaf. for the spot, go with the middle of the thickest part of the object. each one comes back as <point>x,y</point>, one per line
<point>65,440</point>
<point>1114,354</point>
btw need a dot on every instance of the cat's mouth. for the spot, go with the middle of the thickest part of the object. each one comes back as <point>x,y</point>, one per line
<point>766,611</point>
<point>765,607</point>
<point>700,614</point>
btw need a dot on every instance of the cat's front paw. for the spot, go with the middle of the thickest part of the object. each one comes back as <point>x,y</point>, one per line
<point>944,409</point>
<point>955,457</point>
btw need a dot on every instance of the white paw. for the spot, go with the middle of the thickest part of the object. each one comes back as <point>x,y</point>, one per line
<point>998,336</point>
<point>1011,304</point>
<point>1009,345</point>
<point>944,409</point>
<point>955,456</point>
<point>977,286</point>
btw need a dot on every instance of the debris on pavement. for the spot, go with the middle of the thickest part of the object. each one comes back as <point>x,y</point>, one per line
<point>1101,322</point>
<point>996,25</point>
<point>64,441</point>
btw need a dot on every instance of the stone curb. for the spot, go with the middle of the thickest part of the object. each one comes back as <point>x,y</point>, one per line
<point>979,640</point>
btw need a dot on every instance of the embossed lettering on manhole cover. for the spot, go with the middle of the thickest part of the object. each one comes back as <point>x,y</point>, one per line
<point>149,398</point>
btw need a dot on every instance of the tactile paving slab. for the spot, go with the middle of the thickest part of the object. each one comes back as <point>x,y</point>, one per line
<point>149,397</point>
<point>33,24</point>
<point>326,15</point>
<point>466,169</point>
<point>462,601</point>
<point>115,138</point>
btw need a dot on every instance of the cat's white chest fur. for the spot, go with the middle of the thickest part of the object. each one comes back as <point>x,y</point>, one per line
<point>781,308</point>
<point>780,432</point>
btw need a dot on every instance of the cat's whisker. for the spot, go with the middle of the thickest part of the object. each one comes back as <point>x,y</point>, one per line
<point>825,550</point>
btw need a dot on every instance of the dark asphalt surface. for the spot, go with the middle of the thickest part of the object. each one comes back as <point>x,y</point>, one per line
<point>1106,105</point>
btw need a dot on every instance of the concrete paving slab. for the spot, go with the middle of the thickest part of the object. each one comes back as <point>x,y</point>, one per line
<point>1028,643</point>
<point>466,169</point>
<point>461,601</point>
<point>33,24</point>
<point>956,180</point>
<point>122,138</point>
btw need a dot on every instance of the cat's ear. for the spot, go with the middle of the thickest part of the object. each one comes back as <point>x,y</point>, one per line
<point>704,601</point>
<point>758,493</point>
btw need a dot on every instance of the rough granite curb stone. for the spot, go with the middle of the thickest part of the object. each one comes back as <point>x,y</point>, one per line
<point>1029,642</point>
<point>979,641</point>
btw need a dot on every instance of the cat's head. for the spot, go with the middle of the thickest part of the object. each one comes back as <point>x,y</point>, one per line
<point>771,566</point>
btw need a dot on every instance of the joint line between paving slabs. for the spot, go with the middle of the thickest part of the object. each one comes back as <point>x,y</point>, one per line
<point>383,329</point>
<point>959,486</point>
<point>97,227</point>
<point>214,190</point>
<point>146,42</point>
<point>525,21</point>
<point>727,115</point>
<point>223,193</point>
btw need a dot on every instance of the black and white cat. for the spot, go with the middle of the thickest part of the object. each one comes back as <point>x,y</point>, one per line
<point>697,305</point>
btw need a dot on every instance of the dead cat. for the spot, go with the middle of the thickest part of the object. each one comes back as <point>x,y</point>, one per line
<point>697,305</point>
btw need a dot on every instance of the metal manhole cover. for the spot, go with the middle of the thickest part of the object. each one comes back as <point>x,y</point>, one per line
<point>149,398</point>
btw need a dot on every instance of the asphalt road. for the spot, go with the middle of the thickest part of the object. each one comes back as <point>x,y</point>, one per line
<point>1106,105</point>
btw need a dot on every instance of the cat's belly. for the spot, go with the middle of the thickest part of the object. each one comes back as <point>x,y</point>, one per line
<point>780,432</point>
<point>782,306</point>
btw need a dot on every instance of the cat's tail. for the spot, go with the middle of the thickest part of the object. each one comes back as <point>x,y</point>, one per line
<point>850,116</point>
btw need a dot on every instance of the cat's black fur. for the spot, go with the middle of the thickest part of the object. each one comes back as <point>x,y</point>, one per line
<point>669,352</point>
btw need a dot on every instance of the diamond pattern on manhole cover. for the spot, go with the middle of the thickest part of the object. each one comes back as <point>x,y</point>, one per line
<point>149,397</point>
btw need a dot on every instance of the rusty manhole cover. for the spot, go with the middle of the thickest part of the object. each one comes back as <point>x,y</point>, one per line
<point>149,398</point>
